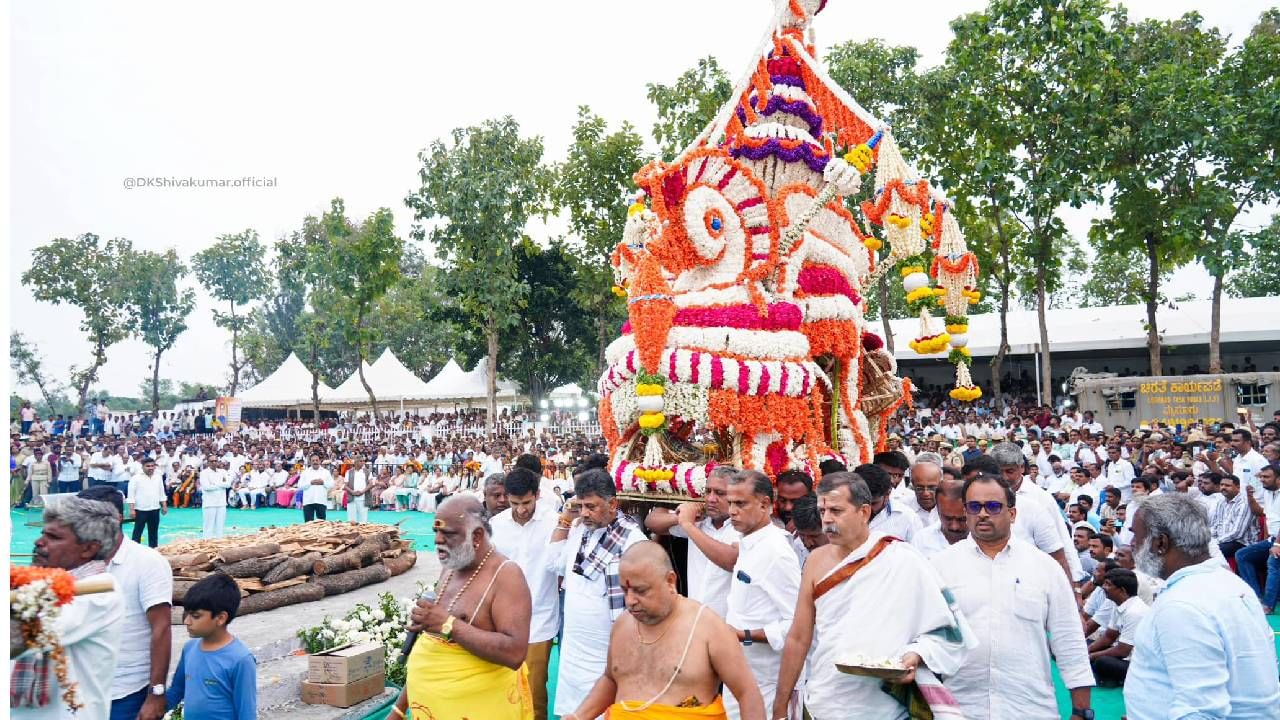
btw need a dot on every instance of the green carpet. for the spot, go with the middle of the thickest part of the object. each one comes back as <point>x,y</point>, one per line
<point>186,524</point>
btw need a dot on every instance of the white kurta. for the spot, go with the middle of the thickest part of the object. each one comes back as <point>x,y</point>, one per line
<point>587,618</point>
<point>891,607</point>
<point>762,595</point>
<point>708,584</point>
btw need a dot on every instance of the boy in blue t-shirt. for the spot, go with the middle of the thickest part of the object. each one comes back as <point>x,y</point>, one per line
<point>217,676</point>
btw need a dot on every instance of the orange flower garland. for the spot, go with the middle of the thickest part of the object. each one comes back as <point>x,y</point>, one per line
<point>60,581</point>
<point>35,610</point>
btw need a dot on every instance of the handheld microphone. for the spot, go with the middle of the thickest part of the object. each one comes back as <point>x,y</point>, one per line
<point>430,596</point>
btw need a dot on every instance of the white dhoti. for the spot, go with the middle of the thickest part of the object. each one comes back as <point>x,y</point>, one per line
<point>214,519</point>
<point>584,648</point>
<point>764,662</point>
<point>357,511</point>
<point>893,605</point>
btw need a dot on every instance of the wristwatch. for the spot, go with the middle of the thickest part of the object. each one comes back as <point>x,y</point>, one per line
<point>157,689</point>
<point>1082,713</point>
<point>446,631</point>
<point>746,637</point>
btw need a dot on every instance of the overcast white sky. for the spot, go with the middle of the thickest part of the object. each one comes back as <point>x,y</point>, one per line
<point>336,99</point>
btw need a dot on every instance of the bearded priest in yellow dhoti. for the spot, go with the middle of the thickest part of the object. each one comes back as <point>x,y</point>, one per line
<point>468,660</point>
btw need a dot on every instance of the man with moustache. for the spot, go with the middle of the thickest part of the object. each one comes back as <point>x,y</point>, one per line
<point>766,578</point>
<point>926,476</point>
<point>586,552</point>
<point>868,594</point>
<point>523,533</point>
<point>468,660</point>
<point>953,523</point>
<point>713,541</point>
<point>1205,649</point>
<point>667,655</point>
<point>1022,610</point>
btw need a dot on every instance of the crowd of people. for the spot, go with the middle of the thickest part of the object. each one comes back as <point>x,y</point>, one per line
<point>974,551</point>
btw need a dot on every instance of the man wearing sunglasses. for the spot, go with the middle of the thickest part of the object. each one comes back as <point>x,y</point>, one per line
<point>1020,607</point>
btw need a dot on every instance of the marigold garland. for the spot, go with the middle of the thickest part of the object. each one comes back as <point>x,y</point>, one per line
<point>39,593</point>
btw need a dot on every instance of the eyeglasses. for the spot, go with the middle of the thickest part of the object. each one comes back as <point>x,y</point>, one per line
<point>993,507</point>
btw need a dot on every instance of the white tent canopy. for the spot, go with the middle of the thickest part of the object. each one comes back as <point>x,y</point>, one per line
<point>1105,328</point>
<point>453,383</point>
<point>390,380</point>
<point>289,386</point>
<point>566,391</point>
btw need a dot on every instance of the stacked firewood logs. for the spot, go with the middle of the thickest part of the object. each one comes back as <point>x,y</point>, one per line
<point>298,563</point>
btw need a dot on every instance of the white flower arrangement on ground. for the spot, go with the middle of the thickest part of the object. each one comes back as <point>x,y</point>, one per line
<point>385,623</point>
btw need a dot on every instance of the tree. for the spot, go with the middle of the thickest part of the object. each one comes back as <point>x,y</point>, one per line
<point>168,396</point>
<point>1245,153</point>
<point>25,360</point>
<point>363,263</point>
<point>593,184</point>
<point>1028,69</point>
<point>197,391</point>
<point>1259,274</point>
<point>416,320</point>
<point>1158,112</point>
<point>1117,276</point>
<point>158,308</point>
<point>687,107</point>
<point>478,192</point>
<point>85,273</point>
<point>232,271</point>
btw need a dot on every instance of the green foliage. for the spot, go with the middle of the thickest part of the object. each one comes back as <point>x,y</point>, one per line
<point>883,79</point>
<point>688,106</point>
<point>168,394</point>
<point>84,272</point>
<point>383,623</point>
<point>232,271</point>
<point>413,319</point>
<point>593,184</point>
<point>1116,276</point>
<point>1155,124</point>
<point>1259,273</point>
<point>28,364</point>
<point>476,195</point>
<point>158,308</point>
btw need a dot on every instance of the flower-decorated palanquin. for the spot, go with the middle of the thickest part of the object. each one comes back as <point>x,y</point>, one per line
<point>743,271</point>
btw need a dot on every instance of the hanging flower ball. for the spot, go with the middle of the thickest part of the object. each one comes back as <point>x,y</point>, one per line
<point>958,340</point>
<point>652,420</point>
<point>643,389</point>
<point>966,393</point>
<point>650,403</point>
<point>873,244</point>
<point>915,281</point>
<point>860,157</point>
<point>926,225</point>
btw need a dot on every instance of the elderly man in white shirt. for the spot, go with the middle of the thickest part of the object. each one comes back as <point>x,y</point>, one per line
<point>214,483</point>
<point>316,481</point>
<point>586,552</point>
<point>1022,610</point>
<point>522,532</point>
<point>765,585</point>
<point>713,540</point>
<point>888,516</point>
<point>926,477</point>
<point>78,536</point>
<point>256,486</point>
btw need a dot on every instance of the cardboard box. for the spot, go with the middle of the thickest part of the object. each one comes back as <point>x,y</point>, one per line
<point>343,696</point>
<point>346,664</point>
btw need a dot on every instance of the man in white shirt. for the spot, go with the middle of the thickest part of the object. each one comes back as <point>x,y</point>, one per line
<point>1109,653</point>
<point>78,536</point>
<point>1039,520</point>
<point>865,594</point>
<point>889,517</point>
<point>713,541</point>
<point>120,473</point>
<point>147,495</point>
<point>1022,610</point>
<point>765,585</point>
<point>99,467</point>
<point>523,533</point>
<point>586,552</point>
<point>953,522</point>
<point>1247,462</point>
<point>213,485</point>
<point>279,476</point>
<point>1118,473</point>
<point>358,485</point>
<point>145,582</point>
<point>316,482</point>
<point>1252,559</point>
<point>257,486</point>
<point>926,476</point>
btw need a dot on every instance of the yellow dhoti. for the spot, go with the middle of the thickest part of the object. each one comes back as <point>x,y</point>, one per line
<point>445,682</point>
<point>714,711</point>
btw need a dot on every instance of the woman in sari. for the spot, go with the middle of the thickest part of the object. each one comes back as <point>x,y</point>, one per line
<point>285,493</point>
<point>387,498</point>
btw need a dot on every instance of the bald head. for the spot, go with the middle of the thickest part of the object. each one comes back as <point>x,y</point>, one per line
<point>648,583</point>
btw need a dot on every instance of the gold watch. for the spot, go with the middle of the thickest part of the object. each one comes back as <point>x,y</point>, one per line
<point>446,630</point>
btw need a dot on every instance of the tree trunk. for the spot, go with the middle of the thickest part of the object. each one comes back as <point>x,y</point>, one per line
<point>257,602</point>
<point>1215,327</point>
<point>351,580</point>
<point>997,362</point>
<point>1153,296</point>
<point>247,552</point>
<point>99,359</point>
<point>373,401</point>
<point>1046,363</point>
<point>235,347</point>
<point>315,387</point>
<point>491,363</point>
<point>155,385</point>
<point>884,313</point>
